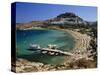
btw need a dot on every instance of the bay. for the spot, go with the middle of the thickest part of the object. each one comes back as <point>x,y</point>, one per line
<point>24,38</point>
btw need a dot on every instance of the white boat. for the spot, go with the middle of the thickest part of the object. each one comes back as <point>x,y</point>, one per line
<point>52,46</point>
<point>34,46</point>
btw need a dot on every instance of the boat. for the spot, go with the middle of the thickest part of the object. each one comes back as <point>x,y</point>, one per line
<point>50,46</point>
<point>34,47</point>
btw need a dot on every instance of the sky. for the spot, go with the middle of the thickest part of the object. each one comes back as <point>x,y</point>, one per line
<point>26,12</point>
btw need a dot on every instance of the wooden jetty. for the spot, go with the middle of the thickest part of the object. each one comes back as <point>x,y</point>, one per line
<point>50,50</point>
<point>54,52</point>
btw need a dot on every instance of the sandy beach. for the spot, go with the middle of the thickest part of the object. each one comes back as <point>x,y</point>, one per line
<point>80,53</point>
<point>82,43</point>
<point>81,40</point>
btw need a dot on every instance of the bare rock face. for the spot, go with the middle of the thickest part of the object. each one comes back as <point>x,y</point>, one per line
<point>23,65</point>
<point>66,15</point>
<point>68,18</point>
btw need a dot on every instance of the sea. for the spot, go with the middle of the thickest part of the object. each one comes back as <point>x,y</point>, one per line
<point>43,37</point>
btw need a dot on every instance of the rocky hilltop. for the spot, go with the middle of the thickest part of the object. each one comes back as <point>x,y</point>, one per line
<point>67,18</point>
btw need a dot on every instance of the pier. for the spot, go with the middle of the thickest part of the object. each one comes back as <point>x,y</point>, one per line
<point>54,52</point>
<point>50,50</point>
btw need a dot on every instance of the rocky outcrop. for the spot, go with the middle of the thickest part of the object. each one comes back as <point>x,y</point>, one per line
<point>23,65</point>
<point>67,18</point>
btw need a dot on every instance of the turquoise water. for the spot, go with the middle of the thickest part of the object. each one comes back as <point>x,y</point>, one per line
<point>24,38</point>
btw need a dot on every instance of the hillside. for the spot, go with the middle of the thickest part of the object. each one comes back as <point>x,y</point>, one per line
<point>31,24</point>
<point>65,19</point>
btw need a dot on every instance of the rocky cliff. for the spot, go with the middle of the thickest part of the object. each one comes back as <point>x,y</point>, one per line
<point>67,18</point>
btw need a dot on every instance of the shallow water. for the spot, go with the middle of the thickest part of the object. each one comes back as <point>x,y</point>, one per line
<point>24,38</point>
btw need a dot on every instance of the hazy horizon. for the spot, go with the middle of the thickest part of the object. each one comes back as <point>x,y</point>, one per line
<point>27,12</point>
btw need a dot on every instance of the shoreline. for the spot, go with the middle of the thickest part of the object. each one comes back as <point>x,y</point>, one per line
<point>82,42</point>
